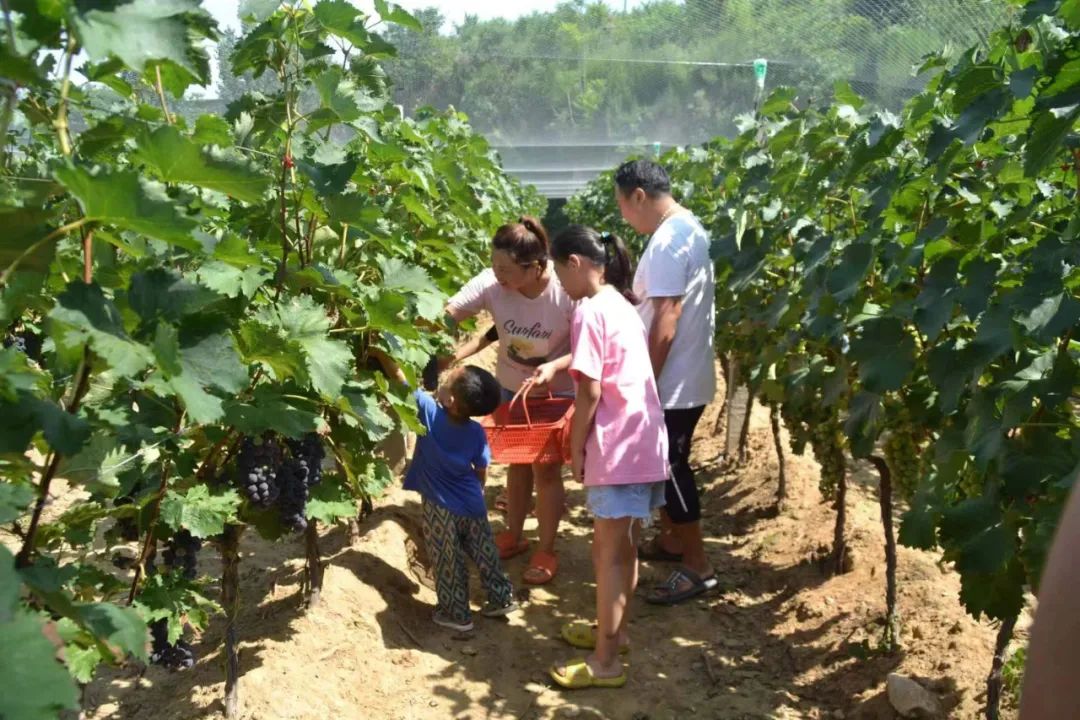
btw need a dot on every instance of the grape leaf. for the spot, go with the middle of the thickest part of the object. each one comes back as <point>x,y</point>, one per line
<point>884,353</point>
<point>29,663</point>
<point>122,630</point>
<point>262,344</point>
<point>97,465</point>
<point>392,12</point>
<point>258,10</point>
<point>122,198</point>
<point>303,322</point>
<point>270,413</point>
<point>176,159</point>
<point>15,499</point>
<point>207,362</point>
<point>1045,139</point>
<point>429,300</point>
<point>9,585</point>
<point>329,502</point>
<point>918,527</point>
<point>341,18</point>
<point>24,228</point>
<point>163,293</point>
<point>82,661</point>
<point>84,314</point>
<point>139,31</point>
<point>376,423</point>
<point>199,512</point>
<point>175,600</point>
<point>844,280</point>
<point>999,595</point>
<point>231,281</point>
<point>863,424</point>
<point>213,130</point>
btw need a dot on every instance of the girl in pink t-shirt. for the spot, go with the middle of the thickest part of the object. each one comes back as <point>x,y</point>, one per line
<point>618,439</point>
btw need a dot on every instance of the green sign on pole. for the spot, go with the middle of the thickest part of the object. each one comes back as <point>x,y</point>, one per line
<point>656,149</point>
<point>761,69</point>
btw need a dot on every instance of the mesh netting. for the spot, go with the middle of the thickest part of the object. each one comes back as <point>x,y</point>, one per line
<point>566,93</point>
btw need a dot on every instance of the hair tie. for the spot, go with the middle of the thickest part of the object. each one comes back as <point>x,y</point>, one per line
<point>607,241</point>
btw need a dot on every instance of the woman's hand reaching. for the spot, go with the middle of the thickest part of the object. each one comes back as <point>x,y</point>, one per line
<point>543,374</point>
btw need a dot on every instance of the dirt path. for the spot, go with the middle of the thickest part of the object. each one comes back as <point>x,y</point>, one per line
<point>779,640</point>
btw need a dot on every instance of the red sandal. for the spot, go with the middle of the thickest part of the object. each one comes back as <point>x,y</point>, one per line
<point>504,541</point>
<point>542,568</point>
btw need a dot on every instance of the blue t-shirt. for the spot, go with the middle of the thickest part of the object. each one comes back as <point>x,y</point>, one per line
<point>442,468</point>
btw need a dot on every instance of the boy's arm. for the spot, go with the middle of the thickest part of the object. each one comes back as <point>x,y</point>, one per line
<point>481,475</point>
<point>585,404</point>
<point>391,368</point>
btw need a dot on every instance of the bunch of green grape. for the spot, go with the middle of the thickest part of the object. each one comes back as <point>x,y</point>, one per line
<point>798,434</point>
<point>971,482</point>
<point>903,453</point>
<point>826,439</point>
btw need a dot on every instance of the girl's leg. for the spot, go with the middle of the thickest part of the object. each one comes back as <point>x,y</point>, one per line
<point>630,569</point>
<point>611,550</point>
<point>550,502</point>
<point>519,488</point>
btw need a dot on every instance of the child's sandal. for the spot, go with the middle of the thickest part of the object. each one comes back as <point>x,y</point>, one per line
<point>582,635</point>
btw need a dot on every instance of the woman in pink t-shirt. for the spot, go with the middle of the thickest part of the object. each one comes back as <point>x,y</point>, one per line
<point>532,316</point>
<point>618,439</point>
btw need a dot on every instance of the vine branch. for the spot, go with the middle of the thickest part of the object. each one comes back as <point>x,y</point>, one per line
<point>161,96</point>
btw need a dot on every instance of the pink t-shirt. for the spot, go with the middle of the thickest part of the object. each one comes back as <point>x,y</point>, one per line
<point>532,331</point>
<point>628,442</point>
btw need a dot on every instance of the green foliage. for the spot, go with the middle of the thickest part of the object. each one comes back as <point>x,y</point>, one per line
<point>912,279</point>
<point>584,70</point>
<point>197,279</point>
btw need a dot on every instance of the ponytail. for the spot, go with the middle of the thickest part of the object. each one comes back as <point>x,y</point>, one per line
<point>606,250</point>
<point>526,241</point>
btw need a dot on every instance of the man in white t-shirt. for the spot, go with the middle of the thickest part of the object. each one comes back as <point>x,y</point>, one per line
<point>676,286</point>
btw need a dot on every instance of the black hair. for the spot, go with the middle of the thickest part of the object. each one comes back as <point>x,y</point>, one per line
<point>526,241</point>
<point>603,249</point>
<point>477,391</point>
<point>645,174</point>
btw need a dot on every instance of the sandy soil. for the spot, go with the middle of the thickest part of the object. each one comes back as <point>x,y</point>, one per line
<point>778,640</point>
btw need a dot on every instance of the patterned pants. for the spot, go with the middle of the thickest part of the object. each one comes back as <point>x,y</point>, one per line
<point>450,538</point>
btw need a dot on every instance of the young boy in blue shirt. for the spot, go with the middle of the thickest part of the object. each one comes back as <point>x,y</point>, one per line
<point>449,470</point>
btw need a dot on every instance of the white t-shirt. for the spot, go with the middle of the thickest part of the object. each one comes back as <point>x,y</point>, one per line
<point>532,331</point>
<point>676,263</point>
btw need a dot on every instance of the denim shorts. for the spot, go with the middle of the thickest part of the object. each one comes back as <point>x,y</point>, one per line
<point>636,500</point>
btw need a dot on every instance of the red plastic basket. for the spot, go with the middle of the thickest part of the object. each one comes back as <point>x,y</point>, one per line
<point>530,430</point>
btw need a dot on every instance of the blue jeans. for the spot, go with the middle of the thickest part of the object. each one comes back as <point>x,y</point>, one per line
<point>635,500</point>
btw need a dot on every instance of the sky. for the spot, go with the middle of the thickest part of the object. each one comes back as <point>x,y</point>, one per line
<point>453,10</point>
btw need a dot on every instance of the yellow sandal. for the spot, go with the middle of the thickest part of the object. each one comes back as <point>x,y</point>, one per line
<point>578,675</point>
<point>582,635</point>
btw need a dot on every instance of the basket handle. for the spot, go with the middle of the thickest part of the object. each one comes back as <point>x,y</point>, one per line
<point>520,394</point>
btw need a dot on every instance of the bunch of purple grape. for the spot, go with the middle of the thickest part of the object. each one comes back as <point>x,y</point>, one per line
<point>297,476</point>
<point>257,470</point>
<point>294,494</point>
<point>308,451</point>
<point>182,554</point>
<point>179,656</point>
